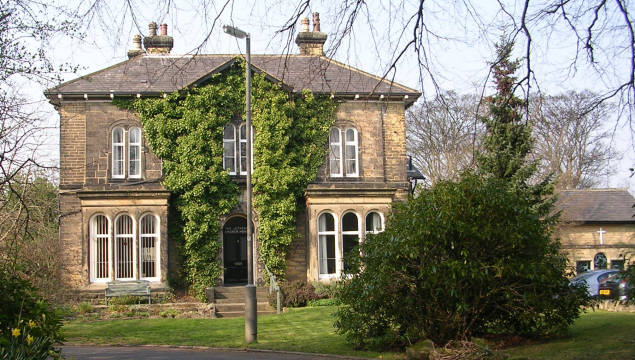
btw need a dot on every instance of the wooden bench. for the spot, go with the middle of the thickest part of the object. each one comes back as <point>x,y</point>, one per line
<point>133,288</point>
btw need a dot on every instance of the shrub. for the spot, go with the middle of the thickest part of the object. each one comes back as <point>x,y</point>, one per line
<point>29,326</point>
<point>325,290</point>
<point>127,300</point>
<point>322,302</point>
<point>462,259</point>
<point>296,293</point>
<point>84,307</point>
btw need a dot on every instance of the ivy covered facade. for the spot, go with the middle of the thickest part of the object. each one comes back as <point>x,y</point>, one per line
<point>153,165</point>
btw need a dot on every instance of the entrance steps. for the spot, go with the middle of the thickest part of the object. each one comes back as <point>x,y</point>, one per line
<point>229,301</point>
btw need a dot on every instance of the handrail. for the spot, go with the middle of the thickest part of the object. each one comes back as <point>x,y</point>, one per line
<point>273,285</point>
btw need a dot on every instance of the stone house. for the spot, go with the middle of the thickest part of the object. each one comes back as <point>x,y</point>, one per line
<point>597,227</point>
<point>114,209</point>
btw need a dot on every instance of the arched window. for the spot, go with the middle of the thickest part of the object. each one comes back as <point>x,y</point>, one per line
<point>99,249</point>
<point>350,235</point>
<point>326,244</point>
<point>149,246</point>
<point>229,148</point>
<point>335,153</point>
<point>118,153</point>
<point>124,248</point>
<point>374,223</point>
<point>134,152</point>
<point>350,153</point>
<point>599,261</point>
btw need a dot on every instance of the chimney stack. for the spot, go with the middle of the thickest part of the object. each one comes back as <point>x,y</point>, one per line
<point>136,47</point>
<point>158,44</point>
<point>311,42</point>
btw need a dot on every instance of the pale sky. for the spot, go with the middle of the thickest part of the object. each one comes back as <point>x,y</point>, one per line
<point>458,55</point>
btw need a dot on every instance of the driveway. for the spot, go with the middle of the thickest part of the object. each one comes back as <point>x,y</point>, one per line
<point>165,353</point>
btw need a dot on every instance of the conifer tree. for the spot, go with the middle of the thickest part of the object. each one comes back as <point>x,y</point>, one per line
<point>508,138</point>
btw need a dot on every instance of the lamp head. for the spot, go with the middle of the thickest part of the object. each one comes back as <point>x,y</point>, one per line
<point>235,32</point>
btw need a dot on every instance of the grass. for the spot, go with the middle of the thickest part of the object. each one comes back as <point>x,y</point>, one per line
<point>304,330</point>
<point>596,335</point>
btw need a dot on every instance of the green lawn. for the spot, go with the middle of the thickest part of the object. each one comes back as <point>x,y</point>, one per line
<point>303,329</point>
<point>597,335</point>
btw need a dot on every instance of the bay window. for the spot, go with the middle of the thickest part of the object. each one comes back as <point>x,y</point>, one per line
<point>125,250</point>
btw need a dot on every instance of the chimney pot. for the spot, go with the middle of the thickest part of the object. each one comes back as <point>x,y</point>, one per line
<point>316,22</point>
<point>136,47</point>
<point>152,27</point>
<point>164,29</point>
<point>136,42</point>
<point>305,25</point>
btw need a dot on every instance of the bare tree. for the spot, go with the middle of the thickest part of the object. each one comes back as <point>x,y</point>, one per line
<point>571,138</point>
<point>28,202</point>
<point>443,134</point>
<point>562,38</point>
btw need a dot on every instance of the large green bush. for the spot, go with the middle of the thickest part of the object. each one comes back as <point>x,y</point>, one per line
<point>463,259</point>
<point>29,327</point>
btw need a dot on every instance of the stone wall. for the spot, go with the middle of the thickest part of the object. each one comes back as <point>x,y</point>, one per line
<point>86,187</point>
<point>381,139</point>
<point>72,143</point>
<point>581,242</point>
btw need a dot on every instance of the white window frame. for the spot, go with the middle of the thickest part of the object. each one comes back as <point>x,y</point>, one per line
<point>242,128</point>
<point>242,141</point>
<point>134,253</point>
<point>335,144</point>
<point>381,219</point>
<point>322,244</point>
<point>115,159</point>
<point>126,160</point>
<point>94,236</point>
<point>346,144</point>
<point>233,142</point>
<point>343,233</point>
<point>156,234</point>
<point>136,145</point>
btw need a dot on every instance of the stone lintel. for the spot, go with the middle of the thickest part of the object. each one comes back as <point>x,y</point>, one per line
<point>604,246</point>
<point>123,198</point>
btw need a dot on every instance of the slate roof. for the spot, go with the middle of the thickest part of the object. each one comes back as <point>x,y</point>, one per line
<point>156,74</point>
<point>596,206</point>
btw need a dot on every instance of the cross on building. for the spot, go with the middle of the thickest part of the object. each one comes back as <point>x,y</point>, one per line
<point>601,232</point>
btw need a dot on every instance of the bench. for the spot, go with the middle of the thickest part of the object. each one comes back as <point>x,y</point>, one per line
<point>123,288</point>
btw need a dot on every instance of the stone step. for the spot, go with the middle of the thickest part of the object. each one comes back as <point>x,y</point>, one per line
<point>242,313</point>
<point>229,307</point>
<point>237,294</point>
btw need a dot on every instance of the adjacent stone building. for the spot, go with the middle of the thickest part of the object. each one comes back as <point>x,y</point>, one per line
<point>597,227</point>
<point>114,210</point>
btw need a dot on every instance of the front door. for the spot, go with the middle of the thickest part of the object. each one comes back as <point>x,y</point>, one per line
<point>235,250</point>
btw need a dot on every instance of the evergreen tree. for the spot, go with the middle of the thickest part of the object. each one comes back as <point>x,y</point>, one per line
<point>508,138</point>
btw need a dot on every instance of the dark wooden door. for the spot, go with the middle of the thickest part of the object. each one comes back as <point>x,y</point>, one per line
<point>235,250</point>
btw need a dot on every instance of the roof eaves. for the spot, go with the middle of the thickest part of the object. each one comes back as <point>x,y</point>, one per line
<point>407,90</point>
<point>51,91</point>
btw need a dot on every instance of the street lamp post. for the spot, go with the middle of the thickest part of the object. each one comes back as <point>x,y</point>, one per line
<point>251,314</point>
